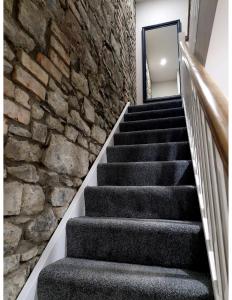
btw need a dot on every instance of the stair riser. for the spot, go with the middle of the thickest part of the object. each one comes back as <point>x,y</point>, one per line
<point>145,203</point>
<point>147,137</point>
<point>165,113</point>
<point>156,152</point>
<point>176,122</point>
<point>147,174</point>
<point>159,105</point>
<point>176,245</point>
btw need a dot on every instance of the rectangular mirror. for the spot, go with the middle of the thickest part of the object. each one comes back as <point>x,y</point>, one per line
<point>161,61</point>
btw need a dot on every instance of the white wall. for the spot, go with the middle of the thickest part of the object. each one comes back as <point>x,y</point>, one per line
<point>150,12</point>
<point>164,88</point>
<point>217,61</point>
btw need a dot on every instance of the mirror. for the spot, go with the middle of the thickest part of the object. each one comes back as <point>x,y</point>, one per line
<point>161,61</point>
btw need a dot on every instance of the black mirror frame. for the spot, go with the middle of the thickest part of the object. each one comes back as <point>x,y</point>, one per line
<point>144,29</point>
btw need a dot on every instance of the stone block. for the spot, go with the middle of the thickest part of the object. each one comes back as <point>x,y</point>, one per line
<point>20,131</point>
<point>22,97</point>
<point>61,196</point>
<point>22,150</point>
<point>14,282</point>
<point>74,102</point>
<point>33,67</point>
<point>33,20</point>
<point>41,227</point>
<point>9,88</point>
<point>12,198</point>
<point>82,141</point>
<point>58,104</point>
<point>25,172</point>
<point>88,110</point>
<point>64,157</point>
<point>33,199</point>
<point>49,66</point>
<point>79,122</point>
<point>39,132</point>
<point>16,112</point>
<point>17,36</point>
<point>80,82</point>
<point>29,82</point>
<point>8,53</point>
<point>37,112</point>
<point>8,68</point>
<point>98,134</point>
<point>11,263</point>
<point>71,133</point>
<point>12,235</point>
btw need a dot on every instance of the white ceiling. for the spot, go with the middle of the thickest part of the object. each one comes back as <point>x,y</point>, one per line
<point>162,43</point>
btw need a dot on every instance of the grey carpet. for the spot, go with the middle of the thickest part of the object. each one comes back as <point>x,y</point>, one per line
<point>82,279</point>
<point>176,244</point>
<point>171,122</point>
<point>149,152</point>
<point>163,113</point>
<point>156,105</point>
<point>151,136</point>
<point>155,202</point>
<point>146,173</point>
<point>142,236</point>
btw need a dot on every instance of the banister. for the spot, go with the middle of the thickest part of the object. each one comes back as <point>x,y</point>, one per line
<point>213,102</point>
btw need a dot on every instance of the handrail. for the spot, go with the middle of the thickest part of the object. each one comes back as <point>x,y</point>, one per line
<point>213,102</point>
<point>206,111</point>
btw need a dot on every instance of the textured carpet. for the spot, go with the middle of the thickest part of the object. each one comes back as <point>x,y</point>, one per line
<point>142,236</point>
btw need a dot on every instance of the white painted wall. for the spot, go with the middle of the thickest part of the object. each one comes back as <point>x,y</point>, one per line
<point>164,88</point>
<point>150,12</point>
<point>217,61</point>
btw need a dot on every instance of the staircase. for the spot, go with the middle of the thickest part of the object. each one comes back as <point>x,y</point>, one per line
<point>142,236</point>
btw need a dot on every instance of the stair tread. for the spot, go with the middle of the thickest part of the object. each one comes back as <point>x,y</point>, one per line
<point>146,173</point>
<point>97,280</point>
<point>158,104</point>
<point>151,136</point>
<point>149,152</point>
<point>116,239</point>
<point>160,123</point>
<point>153,114</point>
<point>158,202</point>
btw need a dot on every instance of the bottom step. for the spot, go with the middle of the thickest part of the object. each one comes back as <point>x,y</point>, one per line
<point>83,279</point>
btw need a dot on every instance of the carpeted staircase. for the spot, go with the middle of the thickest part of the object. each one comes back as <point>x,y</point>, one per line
<point>142,237</point>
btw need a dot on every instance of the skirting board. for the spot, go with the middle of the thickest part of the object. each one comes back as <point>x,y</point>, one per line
<point>56,247</point>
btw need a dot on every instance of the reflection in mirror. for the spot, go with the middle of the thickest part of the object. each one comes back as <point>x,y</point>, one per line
<point>161,62</point>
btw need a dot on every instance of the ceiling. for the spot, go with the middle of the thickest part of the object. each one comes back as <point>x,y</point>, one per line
<point>162,43</point>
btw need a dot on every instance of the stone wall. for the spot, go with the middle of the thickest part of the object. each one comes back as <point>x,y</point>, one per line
<point>69,69</point>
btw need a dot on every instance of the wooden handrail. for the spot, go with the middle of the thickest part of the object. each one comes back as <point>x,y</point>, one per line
<point>213,102</point>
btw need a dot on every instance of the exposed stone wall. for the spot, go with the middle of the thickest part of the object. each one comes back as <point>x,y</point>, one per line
<point>69,69</point>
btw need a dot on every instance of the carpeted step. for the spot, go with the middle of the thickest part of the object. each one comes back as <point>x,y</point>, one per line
<point>163,123</point>
<point>151,136</point>
<point>83,279</point>
<point>146,173</point>
<point>153,114</point>
<point>172,203</point>
<point>176,244</point>
<point>156,105</point>
<point>149,152</point>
